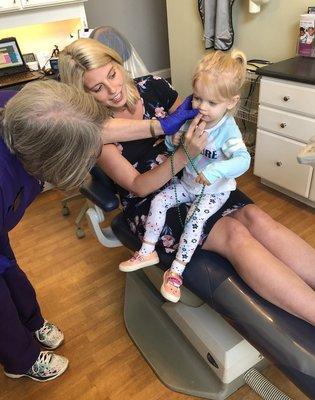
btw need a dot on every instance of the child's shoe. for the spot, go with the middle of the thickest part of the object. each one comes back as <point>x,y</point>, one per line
<point>49,336</point>
<point>48,366</point>
<point>170,288</point>
<point>138,261</point>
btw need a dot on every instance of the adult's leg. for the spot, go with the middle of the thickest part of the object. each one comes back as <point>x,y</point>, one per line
<point>280,241</point>
<point>24,298</point>
<point>18,348</point>
<point>260,269</point>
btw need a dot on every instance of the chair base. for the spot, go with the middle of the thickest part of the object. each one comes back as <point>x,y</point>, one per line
<point>172,357</point>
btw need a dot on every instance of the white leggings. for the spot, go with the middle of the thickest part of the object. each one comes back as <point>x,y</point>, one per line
<point>208,205</point>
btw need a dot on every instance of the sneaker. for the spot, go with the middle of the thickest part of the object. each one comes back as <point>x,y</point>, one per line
<point>49,336</point>
<point>170,288</point>
<point>48,366</point>
<point>139,261</point>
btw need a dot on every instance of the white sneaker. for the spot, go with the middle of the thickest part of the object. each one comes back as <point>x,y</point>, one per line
<point>48,366</point>
<point>49,336</point>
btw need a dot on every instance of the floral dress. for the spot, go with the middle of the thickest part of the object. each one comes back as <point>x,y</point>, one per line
<point>158,96</point>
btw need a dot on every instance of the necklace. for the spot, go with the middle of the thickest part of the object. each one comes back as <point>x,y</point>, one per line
<point>199,196</point>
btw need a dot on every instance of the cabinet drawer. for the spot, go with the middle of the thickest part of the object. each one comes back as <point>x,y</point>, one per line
<point>296,97</point>
<point>293,126</point>
<point>275,161</point>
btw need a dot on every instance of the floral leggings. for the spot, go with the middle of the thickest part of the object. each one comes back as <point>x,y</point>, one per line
<point>200,211</point>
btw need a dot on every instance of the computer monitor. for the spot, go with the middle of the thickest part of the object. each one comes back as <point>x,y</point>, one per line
<point>10,55</point>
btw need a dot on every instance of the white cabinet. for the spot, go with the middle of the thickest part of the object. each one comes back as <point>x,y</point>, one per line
<point>20,5</point>
<point>286,122</point>
<point>30,12</point>
<point>43,3</point>
<point>10,5</point>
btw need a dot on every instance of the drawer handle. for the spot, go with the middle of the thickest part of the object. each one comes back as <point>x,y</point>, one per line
<point>279,164</point>
<point>283,125</point>
<point>286,98</point>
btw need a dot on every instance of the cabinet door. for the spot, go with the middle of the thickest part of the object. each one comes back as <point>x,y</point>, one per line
<point>7,5</point>
<point>42,3</point>
<point>275,161</point>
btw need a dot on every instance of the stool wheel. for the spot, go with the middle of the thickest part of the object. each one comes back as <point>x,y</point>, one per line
<point>80,233</point>
<point>65,211</point>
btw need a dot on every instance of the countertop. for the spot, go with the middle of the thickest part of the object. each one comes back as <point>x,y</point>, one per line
<point>298,69</point>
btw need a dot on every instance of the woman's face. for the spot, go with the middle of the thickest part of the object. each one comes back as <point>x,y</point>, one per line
<point>107,85</point>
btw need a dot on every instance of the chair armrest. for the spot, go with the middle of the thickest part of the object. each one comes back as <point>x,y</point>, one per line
<point>100,193</point>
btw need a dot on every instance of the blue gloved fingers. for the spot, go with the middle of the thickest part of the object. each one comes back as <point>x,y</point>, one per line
<point>192,113</point>
<point>172,123</point>
<point>186,104</point>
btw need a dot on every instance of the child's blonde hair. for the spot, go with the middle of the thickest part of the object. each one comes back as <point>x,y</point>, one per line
<point>223,73</point>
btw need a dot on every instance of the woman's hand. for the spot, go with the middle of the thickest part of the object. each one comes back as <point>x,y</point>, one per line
<point>196,138</point>
<point>174,121</point>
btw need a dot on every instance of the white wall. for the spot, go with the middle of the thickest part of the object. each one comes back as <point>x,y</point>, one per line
<point>143,22</point>
<point>271,34</point>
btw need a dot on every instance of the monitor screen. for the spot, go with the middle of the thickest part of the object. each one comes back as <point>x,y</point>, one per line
<point>10,55</point>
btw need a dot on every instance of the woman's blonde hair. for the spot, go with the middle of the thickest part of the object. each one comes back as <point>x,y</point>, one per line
<point>86,54</point>
<point>223,73</point>
<point>55,130</point>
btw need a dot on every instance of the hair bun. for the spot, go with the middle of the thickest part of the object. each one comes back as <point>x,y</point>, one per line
<point>239,56</point>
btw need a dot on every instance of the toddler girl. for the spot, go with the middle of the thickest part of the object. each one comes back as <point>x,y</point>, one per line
<point>207,179</point>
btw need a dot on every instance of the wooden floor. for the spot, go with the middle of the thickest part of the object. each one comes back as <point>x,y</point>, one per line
<point>80,288</point>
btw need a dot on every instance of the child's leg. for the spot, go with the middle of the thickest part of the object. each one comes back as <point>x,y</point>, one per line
<point>208,205</point>
<point>146,256</point>
<point>157,214</point>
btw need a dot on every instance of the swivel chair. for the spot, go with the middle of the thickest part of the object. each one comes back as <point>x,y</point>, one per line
<point>215,339</point>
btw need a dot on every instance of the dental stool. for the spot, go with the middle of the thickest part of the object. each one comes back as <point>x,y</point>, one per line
<point>215,339</point>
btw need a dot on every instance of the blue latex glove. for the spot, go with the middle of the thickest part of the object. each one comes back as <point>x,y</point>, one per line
<point>174,121</point>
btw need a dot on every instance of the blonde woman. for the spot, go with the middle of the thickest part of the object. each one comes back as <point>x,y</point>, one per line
<point>271,259</point>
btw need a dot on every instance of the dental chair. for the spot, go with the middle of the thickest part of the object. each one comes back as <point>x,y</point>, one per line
<point>219,335</point>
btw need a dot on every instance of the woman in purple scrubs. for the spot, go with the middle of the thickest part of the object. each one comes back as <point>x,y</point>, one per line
<point>50,132</point>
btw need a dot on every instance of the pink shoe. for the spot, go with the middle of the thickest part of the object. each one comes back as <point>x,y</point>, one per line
<point>138,261</point>
<point>170,288</point>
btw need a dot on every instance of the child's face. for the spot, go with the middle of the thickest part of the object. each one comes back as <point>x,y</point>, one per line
<point>211,108</point>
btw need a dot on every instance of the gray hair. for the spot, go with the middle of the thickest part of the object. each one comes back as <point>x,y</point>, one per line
<point>55,131</point>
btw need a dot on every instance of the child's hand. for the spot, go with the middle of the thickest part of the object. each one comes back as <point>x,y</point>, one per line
<point>176,138</point>
<point>202,180</point>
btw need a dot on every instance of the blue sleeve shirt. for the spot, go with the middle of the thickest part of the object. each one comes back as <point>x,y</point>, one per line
<point>224,158</point>
<point>17,190</point>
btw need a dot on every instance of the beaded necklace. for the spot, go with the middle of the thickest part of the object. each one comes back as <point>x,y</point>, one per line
<point>199,196</point>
